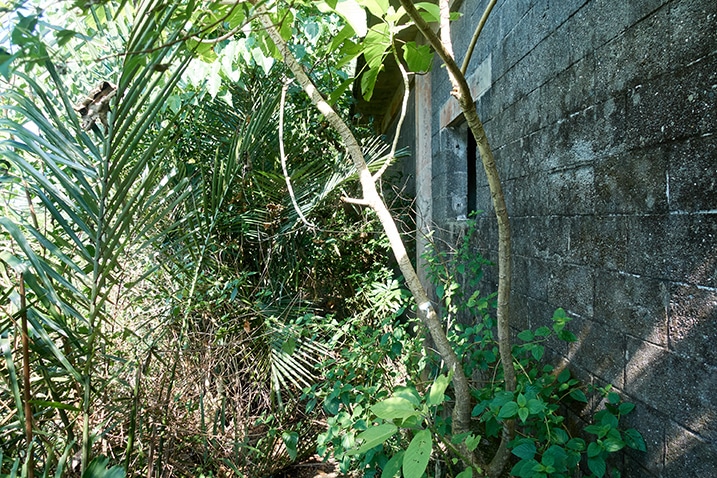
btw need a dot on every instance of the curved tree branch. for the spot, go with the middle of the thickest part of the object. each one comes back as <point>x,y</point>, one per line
<point>287,178</point>
<point>476,34</point>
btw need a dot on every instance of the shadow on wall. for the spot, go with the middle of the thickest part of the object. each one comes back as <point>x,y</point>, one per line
<point>653,340</point>
<point>670,375</point>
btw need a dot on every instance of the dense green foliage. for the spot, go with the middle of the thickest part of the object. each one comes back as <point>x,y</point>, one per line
<point>384,426</point>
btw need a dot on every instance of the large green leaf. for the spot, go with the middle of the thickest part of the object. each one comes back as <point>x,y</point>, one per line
<point>394,408</point>
<point>417,455</point>
<point>376,7</point>
<point>439,386</point>
<point>375,436</point>
<point>394,465</point>
<point>419,58</point>
<point>354,15</point>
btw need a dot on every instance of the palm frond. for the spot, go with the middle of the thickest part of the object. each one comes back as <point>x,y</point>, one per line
<point>104,196</point>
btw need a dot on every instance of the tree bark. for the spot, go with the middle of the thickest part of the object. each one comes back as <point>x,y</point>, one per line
<point>462,93</point>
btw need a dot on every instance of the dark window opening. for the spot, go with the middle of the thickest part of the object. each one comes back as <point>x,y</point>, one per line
<point>471,172</point>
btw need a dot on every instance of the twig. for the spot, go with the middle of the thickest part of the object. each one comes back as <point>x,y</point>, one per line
<point>404,108</point>
<point>476,34</point>
<point>283,155</point>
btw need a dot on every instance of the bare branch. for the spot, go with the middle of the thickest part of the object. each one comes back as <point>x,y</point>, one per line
<point>360,202</point>
<point>462,93</point>
<point>283,155</point>
<point>404,108</point>
<point>445,23</point>
<point>476,34</point>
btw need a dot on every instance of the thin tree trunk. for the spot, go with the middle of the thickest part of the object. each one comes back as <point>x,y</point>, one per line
<point>462,93</point>
<point>372,199</point>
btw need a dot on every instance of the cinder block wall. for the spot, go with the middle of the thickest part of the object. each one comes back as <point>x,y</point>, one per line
<point>603,116</point>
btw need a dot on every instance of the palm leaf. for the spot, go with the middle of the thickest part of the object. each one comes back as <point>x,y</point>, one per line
<point>14,385</point>
<point>103,200</point>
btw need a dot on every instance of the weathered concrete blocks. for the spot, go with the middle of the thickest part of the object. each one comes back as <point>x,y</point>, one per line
<point>603,120</point>
<point>633,304</point>
<point>666,381</point>
<point>630,183</point>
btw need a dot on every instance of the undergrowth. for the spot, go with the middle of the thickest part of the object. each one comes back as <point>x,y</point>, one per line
<point>388,397</point>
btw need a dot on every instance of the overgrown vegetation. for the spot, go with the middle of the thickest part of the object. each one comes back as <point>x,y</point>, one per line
<point>189,288</point>
<point>405,427</point>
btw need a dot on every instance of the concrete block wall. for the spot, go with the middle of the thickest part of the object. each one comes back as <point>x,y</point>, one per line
<point>603,119</point>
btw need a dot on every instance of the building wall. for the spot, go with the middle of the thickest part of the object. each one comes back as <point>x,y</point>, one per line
<point>602,116</point>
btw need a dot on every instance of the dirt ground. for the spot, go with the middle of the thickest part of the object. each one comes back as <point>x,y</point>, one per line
<point>314,467</point>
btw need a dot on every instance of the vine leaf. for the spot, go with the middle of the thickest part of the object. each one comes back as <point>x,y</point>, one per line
<point>419,58</point>
<point>393,408</point>
<point>435,395</point>
<point>393,467</point>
